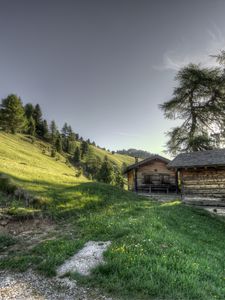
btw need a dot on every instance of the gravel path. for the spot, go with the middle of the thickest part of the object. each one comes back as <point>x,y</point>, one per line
<point>29,285</point>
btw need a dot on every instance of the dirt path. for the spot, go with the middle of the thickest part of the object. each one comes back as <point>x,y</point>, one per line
<point>29,285</point>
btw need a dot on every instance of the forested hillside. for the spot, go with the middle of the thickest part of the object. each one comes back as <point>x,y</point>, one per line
<point>89,159</point>
<point>135,153</point>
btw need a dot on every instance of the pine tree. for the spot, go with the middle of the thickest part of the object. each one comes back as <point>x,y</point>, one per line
<point>29,110</point>
<point>199,101</point>
<point>37,115</point>
<point>65,130</point>
<point>106,172</point>
<point>31,126</point>
<point>58,143</point>
<point>67,145</point>
<point>70,132</point>
<point>84,149</point>
<point>92,165</point>
<point>53,132</point>
<point>119,180</point>
<point>45,131</point>
<point>77,155</point>
<point>12,115</point>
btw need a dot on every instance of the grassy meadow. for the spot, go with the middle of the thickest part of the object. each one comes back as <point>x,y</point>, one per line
<point>158,250</point>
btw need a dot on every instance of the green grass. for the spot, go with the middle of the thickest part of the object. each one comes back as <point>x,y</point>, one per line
<point>6,241</point>
<point>158,251</point>
<point>117,159</point>
<point>22,159</point>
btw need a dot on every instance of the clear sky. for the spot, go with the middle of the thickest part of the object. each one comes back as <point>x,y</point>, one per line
<point>105,65</point>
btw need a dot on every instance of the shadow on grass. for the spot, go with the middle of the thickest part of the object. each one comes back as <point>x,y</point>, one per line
<point>65,199</point>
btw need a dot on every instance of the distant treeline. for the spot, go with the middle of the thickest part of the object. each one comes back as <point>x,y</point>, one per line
<point>28,119</point>
<point>135,153</point>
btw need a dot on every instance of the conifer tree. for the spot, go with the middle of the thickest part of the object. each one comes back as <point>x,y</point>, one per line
<point>69,131</point>
<point>65,130</point>
<point>106,172</point>
<point>93,165</point>
<point>58,143</point>
<point>45,131</point>
<point>29,110</point>
<point>12,114</point>
<point>71,134</point>
<point>119,180</point>
<point>53,132</point>
<point>77,155</point>
<point>84,149</point>
<point>37,115</point>
<point>31,126</point>
<point>199,102</point>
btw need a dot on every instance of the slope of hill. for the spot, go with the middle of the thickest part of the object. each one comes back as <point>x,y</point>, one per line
<point>29,163</point>
<point>158,250</point>
<point>20,156</point>
<point>116,158</point>
<point>135,153</point>
<point>31,166</point>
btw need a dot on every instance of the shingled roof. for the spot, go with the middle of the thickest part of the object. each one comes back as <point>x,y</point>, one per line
<point>209,158</point>
<point>146,161</point>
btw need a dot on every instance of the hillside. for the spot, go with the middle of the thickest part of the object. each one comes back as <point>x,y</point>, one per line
<point>135,153</point>
<point>158,250</point>
<point>29,163</point>
<point>18,150</point>
<point>118,159</point>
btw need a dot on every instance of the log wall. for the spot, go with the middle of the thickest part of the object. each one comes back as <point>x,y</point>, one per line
<point>151,168</point>
<point>203,186</point>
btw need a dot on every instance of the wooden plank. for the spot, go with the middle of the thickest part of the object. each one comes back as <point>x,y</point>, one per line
<point>201,182</point>
<point>214,196</point>
<point>204,192</point>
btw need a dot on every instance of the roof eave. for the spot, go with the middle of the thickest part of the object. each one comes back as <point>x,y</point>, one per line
<point>145,161</point>
<point>195,166</point>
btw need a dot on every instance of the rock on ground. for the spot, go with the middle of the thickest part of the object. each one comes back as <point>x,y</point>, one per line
<point>86,259</point>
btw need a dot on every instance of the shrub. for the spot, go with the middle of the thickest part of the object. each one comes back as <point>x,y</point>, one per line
<point>7,185</point>
<point>79,172</point>
<point>39,202</point>
<point>22,194</point>
<point>6,241</point>
<point>53,152</point>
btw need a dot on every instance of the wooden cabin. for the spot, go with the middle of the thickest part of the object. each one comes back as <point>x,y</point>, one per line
<point>202,177</point>
<point>151,175</point>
